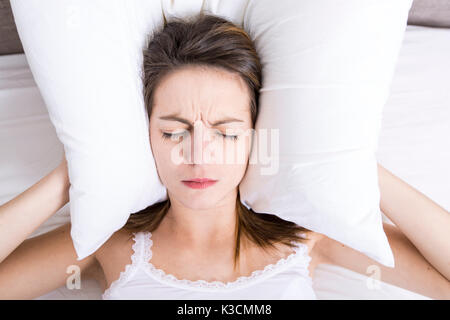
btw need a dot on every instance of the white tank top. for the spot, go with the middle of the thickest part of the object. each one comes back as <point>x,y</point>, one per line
<point>288,278</point>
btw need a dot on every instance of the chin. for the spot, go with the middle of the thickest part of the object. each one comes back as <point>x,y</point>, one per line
<point>200,202</point>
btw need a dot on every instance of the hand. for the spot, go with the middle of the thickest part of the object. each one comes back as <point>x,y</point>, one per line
<point>23,214</point>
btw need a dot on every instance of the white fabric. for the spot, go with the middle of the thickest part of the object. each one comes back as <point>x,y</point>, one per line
<point>414,140</point>
<point>286,279</point>
<point>85,57</point>
<point>412,145</point>
<point>333,282</point>
<point>327,68</point>
<point>323,94</point>
<point>29,146</point>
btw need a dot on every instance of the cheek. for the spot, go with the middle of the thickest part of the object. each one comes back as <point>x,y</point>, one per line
<point>236,168</point>
<point>239,151</point>
<point>167,156</point>
<point>157,146</point>
<point>154,145</point>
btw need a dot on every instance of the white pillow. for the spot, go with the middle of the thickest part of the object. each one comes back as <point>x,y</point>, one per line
<point>336,56</point>
<point>328,66</point>
<point>85,57</point>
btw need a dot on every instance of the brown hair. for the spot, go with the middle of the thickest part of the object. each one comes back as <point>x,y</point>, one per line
<point>211,41</point>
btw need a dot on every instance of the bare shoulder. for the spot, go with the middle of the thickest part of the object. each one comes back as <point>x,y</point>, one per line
<point>118,246</point>
<point>119,239</point>
<point>312,240</point>
<point>112,257</point>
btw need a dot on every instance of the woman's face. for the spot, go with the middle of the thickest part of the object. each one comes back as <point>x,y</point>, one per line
<point>193,109</point>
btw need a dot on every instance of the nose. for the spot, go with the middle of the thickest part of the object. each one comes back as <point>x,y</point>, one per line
<point>198,142</point>
<point>198,146</point>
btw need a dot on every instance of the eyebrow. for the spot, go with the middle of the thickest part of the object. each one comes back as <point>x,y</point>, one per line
<point>187,122</point>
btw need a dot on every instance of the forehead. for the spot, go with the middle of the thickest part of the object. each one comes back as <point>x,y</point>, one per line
<point>195,89</point>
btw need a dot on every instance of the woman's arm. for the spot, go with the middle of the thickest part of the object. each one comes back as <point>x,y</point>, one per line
<point>424,223</point>
<point>44,263</point>
<point>411,242</point>
<point>32,267</point>
<point>23,214</point>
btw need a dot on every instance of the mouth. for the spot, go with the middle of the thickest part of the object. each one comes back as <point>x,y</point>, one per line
<point>200,183</point>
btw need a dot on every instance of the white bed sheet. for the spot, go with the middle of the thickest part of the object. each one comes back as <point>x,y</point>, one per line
<point>413,144</point>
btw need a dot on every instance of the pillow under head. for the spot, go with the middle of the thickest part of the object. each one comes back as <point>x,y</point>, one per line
<point>327,67</point>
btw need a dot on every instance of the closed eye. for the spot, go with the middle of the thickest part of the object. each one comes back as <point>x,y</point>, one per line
<point>228,136</point>
<point>166,135</point>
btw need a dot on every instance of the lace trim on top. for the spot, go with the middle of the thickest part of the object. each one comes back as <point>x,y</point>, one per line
<point>130,269</point>
<point>143,254</point>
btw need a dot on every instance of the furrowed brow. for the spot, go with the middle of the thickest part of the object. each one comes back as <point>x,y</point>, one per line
<point>187,122</point>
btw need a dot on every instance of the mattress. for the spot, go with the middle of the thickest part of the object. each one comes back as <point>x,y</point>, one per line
<point>413,144</point>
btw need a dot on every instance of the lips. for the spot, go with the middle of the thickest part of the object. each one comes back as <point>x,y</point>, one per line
<point>200,180</point>
<point>199,183</point>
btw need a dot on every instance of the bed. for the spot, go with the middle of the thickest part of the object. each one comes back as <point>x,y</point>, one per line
<point>413,145</point>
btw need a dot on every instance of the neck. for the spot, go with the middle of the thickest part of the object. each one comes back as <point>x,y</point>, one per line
<point>205,228</point>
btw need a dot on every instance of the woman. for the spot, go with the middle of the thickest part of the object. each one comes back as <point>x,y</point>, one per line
<point>201,83</point>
